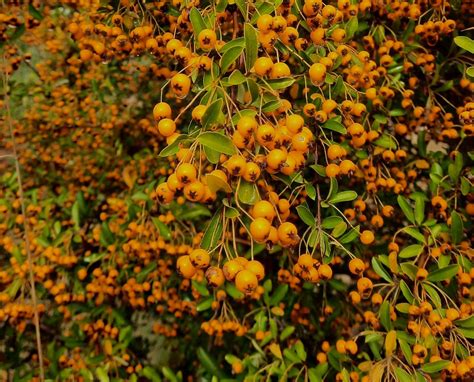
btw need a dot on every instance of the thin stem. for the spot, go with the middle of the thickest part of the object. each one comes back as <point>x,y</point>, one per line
<point>27,231</point>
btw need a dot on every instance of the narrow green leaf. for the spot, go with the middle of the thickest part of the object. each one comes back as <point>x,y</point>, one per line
<point>247,193</point>
<point>380,270</point>
<point>343,196</point>
<point>406,292</point>
<point>435,298</point>
<point>213,232</point>
<point>217,142</point>
<point>457,227</point>
<point>334,125</point>
<point>196,21</point>
<point>211,114</point>
<point>386,141</point>
<point>465,43</point>
<point>406,208</point>
<point>288,331</point>
<point>205,305</point>
<point>419,208</point>
<point>230,57</point>
<point>402,375</point>
<point>410,251</point>
<point>279,294</point>
<point>305,214</point>
<point>384,313</point>
<point>434,367</point>
<point>209,363</point>
<point>165,232</point>
<point>443,274</point>
<point>251,45</point>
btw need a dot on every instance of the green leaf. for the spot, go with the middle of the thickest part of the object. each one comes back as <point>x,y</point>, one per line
<point>196,21</point>
<point>339,229</point>
<point>457,227</point>
<point>403,307</point>
<point>380,270</point>
<point>281,83</point>
<point>201,288</point>
<point>242,5</point>
<point>410,251</point>
<point>434,367</point>
<point>351,27</point>
<point>169,375</point>
<point>212,156</point>
<point>173,148</point>
<point>149,373</point>
<point>406,208</point>
<point>300,351</point>
<point>305,214</point>
<point>433,295</point>
<point>102,375</point>
<point>470,71</point>
<point>229,57</point>
<point>205,305</point>
<point>454,169</point>
<point>279,294</point>
<point>345,375</point>
<point>386,141</point>
<point>34,12</point>
<point>343,196</point>
<point>445,273</point>
<point>467,323</point>
<point>247,193</point>
<point>288,331</point>
<point>331,222</point>
<point>211,114</point>
<point>251,45</point>
<point>141,277</point>
<point>221,5</point>
<point>106,235</point>
<point>350,236</point>
<point>236,78</point>
<point>402,375</point>
<point>232,44</point>
<point>217,142</point>
<point>233,292</point>
<point>406,350</point>
<point>76,215</point>
<point>419,208</point>
<point>310,191</point>
<point>384,313</point>
<point>397,112</point>
<point>165,232</point>
<point>209,363</point>
<point>19,31</point>
<point>213,232</point>
<point>406,292</point>
<point>468,333</point>
<point>415,233</point>
<point>465,43</point>
<point>334,125</point>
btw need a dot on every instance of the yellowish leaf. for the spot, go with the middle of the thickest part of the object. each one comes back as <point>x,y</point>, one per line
<point>392,262</point>
<point>376,373</point>
<point>365,366</point>
<point>216,184</point>
<point>129,176</point>
<point>275,350</point>
<point>390,342</point>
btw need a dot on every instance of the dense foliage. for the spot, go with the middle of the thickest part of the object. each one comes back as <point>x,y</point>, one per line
<point>236,190</point>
